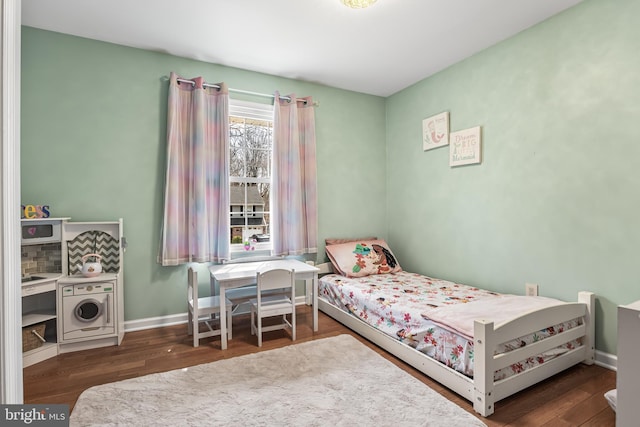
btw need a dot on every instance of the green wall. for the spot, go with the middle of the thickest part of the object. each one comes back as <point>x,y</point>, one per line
<point>556,198</point>
<point>93,147</point>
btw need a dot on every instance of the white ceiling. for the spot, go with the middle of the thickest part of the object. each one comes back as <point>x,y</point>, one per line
<point>379,50</point>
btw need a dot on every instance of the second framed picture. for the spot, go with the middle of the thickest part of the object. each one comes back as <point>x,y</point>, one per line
<point>465,147</point>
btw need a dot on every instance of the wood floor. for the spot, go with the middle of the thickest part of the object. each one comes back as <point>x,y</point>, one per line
<point>572,398</point>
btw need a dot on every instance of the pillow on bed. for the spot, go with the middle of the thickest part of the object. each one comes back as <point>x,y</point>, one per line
<point>362,258</point>
<point>328,242</point>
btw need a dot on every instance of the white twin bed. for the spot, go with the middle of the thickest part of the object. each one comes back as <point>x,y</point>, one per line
<point>482,345</point>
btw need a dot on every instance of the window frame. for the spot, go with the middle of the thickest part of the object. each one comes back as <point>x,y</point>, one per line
<point>255,111</point>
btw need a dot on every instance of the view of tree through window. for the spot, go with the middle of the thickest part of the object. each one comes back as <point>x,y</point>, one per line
<point>250,150</point>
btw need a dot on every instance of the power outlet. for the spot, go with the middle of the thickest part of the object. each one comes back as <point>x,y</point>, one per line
<point>531,289</point>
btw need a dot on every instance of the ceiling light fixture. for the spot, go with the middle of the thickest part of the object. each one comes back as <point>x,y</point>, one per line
<point>358,4</point>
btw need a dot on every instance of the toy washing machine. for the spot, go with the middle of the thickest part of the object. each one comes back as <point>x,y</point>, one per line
<point>88,310</point>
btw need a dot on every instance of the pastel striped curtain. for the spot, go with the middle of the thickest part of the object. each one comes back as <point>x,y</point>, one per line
<point>294,226</point>
<point>196,225</point>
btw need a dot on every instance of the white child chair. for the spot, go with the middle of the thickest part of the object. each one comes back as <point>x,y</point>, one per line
<point>202,310</point>
<point>268,305</point>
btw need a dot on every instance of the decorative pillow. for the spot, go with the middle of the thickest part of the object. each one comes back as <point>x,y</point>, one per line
<point>328,242</point>
<point>362,258</point>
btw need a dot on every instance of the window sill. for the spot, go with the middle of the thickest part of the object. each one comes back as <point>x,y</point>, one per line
<point>241,253</point>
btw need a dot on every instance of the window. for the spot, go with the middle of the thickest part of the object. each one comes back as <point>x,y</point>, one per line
<point>250,152</point>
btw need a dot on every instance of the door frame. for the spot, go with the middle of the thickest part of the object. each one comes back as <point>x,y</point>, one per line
<point>11,385</point>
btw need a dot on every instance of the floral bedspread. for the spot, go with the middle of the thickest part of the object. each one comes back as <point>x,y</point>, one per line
<point>396,303</point>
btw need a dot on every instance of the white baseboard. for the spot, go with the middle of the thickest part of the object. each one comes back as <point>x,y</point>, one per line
<point>174,319</point>
<point>154,322</point>
<point>606,360</point>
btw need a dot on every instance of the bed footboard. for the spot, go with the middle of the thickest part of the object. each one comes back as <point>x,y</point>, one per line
<point>487,337</point>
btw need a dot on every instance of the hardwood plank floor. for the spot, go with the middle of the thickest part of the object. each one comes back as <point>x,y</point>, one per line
<point>572,398</point>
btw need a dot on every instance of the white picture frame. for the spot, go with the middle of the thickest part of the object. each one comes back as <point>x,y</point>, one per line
<point>465,147</point>
<point>435,131</point>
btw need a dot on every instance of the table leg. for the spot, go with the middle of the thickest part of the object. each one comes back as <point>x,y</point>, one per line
<point>308,286</point>
<point>223,319</point>
<point>315,302</point>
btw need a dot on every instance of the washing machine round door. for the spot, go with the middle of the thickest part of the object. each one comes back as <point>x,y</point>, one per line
<point>88,310</point>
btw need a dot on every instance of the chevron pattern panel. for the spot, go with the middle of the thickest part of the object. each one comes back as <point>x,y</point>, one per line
<point>94,242</point>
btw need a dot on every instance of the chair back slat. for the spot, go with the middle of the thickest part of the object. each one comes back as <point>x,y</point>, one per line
<point>192,277</point>
<point>275,279</point>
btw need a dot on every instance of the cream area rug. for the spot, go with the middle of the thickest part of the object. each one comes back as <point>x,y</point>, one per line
<point>334,381</point>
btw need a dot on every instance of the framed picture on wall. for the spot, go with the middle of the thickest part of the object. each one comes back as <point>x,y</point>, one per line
<point>465,147</point>
<point>435,131</point>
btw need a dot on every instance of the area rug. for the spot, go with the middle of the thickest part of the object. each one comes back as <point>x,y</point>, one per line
<point>335,381</point>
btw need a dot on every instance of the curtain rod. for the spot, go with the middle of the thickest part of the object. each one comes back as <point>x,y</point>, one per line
<point>246,92</point>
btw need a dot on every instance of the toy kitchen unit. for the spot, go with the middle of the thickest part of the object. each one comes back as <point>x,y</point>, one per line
<point>72,286</point>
